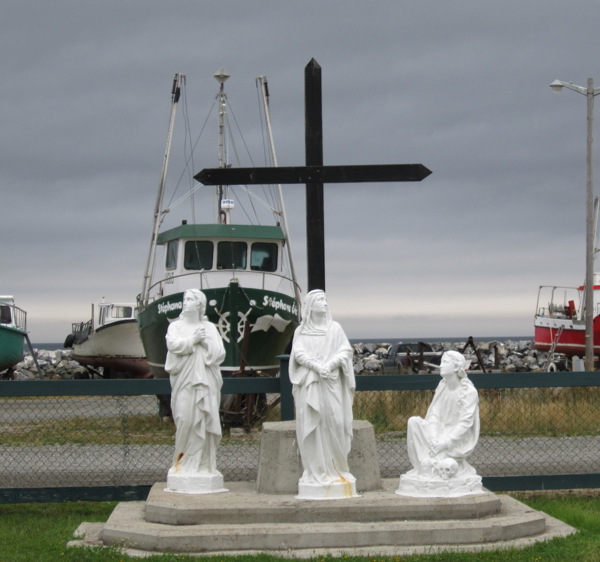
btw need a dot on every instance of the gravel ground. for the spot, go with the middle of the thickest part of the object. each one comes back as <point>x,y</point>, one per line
<point>115,465</point>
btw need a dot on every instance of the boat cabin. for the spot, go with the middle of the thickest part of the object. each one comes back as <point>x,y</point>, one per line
<point>109,313</point>
<point>250,253</point>
<point>6,305</point>
<point>12,316</point>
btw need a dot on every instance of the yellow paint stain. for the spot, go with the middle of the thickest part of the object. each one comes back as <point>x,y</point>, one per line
<point>346,487</point>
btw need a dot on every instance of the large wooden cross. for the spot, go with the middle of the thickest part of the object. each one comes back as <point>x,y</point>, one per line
<point>314,175</point>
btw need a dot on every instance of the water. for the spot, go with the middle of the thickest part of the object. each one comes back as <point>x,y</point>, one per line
<point>440,340</point>
<point>46,346</point>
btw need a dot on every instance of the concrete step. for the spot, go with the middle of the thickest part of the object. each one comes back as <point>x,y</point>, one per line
<point>243,505</point>
<point>128,528</point>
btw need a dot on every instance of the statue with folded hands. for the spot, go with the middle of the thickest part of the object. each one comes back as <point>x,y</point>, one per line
<point>322,375</point>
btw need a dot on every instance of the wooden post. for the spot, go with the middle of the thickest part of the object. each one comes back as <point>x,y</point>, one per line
<point>286,402</point>
<point>315,222</point>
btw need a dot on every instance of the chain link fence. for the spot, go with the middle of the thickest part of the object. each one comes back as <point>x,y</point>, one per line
<point>65,441</point>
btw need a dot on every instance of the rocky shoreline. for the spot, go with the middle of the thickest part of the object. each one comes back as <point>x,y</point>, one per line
<point>55,365</point>
<point>507,357</point>
<point>512,356</point>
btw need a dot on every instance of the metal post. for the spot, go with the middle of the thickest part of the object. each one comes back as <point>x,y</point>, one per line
<point>286,403</point>
<point>315,222</point>
<point>589,261</point>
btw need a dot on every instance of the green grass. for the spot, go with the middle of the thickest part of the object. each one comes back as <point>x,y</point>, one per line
<point>39,532</point>
<point>80,430</point>
<point>548,412</point>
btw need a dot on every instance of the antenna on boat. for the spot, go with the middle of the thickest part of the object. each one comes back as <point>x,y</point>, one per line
<point>178,82</point>
<point>264,88</point>
<point>224,204</point>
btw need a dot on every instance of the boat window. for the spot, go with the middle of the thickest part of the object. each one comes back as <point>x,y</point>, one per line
<point>5,315</point>
<point>198,255</point>
<point>232,255</point>
<point>172,247</point>
<point>121,312</point>
<point>264,256</point>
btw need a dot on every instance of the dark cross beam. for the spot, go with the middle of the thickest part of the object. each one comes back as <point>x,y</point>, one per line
<point>314,175</point>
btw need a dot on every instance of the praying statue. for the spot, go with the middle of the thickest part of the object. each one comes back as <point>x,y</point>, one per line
<point>322,375</point>
<point>195,352</point>
<point>439,444</point>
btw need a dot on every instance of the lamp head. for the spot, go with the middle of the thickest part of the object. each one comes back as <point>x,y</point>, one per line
<point>557,86</point>
<point>221,76</point>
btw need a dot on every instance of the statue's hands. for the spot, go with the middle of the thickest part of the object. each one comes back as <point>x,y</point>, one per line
<point>437,446</point>
<point>199,335</point>
<point>332,366</point>
<point>325,372</point>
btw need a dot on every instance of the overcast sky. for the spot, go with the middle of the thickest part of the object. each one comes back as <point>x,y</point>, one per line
<point>459,86</point>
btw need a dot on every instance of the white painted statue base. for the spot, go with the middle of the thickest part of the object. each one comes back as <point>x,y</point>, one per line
<point>339,490</point>
<point>416,487</point>
<point>200,483</point>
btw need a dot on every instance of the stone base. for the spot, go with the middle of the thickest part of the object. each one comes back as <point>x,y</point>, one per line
<point>246,522</point>
<point>452,488</point>
<point>207,483</point>
<point>335,491</point>
<point>280,466</point>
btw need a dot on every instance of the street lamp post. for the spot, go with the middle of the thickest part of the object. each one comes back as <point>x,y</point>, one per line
<point>590,92</point>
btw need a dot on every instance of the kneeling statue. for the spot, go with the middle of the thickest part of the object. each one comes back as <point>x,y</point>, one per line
<point>439,444</point>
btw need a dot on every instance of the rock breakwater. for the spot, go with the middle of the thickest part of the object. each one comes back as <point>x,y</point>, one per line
<point>508,357</point>
<point>369,358</point>
<point>55,365</point>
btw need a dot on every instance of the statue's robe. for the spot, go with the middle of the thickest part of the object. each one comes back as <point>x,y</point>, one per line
<point>323,405</point>
<point>195,395</point>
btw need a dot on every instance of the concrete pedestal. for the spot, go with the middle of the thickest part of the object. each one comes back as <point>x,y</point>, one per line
<point>208,483</point>
<point>280,466</point>
<point>343,489</point>
<point>451,488</point>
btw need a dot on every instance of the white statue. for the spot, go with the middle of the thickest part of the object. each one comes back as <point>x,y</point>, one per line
<point>323,377</point>
<point>439,444</point>
<point>195,352</point>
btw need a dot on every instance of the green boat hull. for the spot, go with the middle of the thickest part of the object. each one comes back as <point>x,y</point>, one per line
<point>272,317</point>
<point>11,347</point>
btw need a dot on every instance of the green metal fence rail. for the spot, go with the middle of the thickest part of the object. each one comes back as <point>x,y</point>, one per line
<point>58,433</point>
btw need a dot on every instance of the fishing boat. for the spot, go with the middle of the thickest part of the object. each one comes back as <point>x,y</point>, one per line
<point>560,319</point>
<point>560,315</point>
<point>246,271</point>
<point>111,340</point>
<point>13,332</point>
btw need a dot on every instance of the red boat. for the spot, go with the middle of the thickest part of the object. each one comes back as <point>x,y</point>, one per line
<point>562,319</point>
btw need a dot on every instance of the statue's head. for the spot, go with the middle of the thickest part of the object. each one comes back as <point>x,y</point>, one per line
<point>315,302</point>
<point>194,300</point>
<point>455,362</point>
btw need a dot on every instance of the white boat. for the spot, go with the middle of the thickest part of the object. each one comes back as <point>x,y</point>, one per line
<point>111,340</point>
<point>246,271</point>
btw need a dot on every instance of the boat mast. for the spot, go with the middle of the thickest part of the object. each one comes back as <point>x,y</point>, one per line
<point>262,80</point>
<point>178,81</point>
<point>224,205</point>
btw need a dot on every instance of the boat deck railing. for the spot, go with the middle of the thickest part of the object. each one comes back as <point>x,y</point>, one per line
<point>202,283</point>
<point>18,318</point>
<point>82,329</point>
<point>553,310</point>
